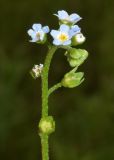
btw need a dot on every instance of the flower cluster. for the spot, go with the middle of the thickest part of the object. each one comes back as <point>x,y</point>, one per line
<point>67,36</point>
<point>68,33</point>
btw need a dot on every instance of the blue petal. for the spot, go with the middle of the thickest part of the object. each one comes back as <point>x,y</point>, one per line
<point>64,28</point>
<point>54,33</point>
<point>46,29</point>
<point>67,43</point>
<point>74,30</point>
<point>37,27</point>
<point>56,42</point>
<point>31,33</point>
<point>62,14</point>
<point>75,17</point>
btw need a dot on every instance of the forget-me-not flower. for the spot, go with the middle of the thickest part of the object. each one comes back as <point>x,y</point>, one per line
<point>38,33</point>
<point>62,36</point>
<point>65,18</point>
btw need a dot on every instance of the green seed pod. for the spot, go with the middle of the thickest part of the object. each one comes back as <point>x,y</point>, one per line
<point>72,79</point>
<point>76,57</point>
<point>72,62</point>
<point>47,125</point>
<point>78,53</point>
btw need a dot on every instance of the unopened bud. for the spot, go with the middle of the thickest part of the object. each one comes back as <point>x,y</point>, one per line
<point>78,39</point>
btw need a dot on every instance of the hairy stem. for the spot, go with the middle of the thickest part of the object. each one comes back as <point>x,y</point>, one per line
<point>49,56</point>
<point>45,147</point>
<point>44,137</point>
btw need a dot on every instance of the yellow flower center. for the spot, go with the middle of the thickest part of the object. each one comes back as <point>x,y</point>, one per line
<point>63,37</point>
<point>38,35</point>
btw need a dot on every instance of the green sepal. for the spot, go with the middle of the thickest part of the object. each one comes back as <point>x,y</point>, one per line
<point>72,79</point>
<point>44,40</point>
<point>65,22</point>
<point>73,62</point>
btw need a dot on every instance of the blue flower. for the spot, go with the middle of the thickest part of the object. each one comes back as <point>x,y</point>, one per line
<point>65,18</point>
<point>62,36</point>
<point>38,33</point>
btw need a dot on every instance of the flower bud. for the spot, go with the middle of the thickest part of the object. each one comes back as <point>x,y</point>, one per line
<point>78,39</point>
<point>47,125</point>
<point>76,57</point>
<point>36,71</point>
<point>72,79</point>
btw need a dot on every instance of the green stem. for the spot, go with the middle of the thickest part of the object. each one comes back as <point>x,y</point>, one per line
<point>44,137</point>
<point>45,147</point>
<point>45,80</point>
<point>74,69</point>
<point>55,87</point>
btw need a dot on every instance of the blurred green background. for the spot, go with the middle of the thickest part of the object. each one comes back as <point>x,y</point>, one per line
<point>84,115</point>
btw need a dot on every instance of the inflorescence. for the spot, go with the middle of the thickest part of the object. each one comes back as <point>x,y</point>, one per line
<point>68,36</point>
